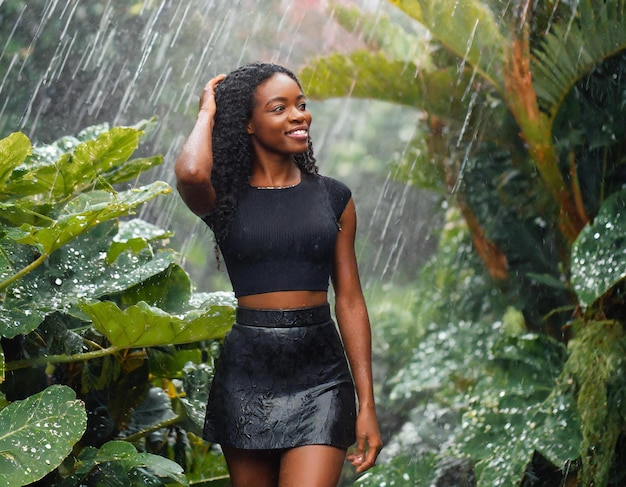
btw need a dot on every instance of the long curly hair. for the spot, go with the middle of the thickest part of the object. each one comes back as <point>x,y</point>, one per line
<point>232,146</point>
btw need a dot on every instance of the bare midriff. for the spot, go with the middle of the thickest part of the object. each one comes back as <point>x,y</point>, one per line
<point>284,300</point>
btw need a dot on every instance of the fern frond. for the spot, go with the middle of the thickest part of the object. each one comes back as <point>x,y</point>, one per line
<point>571,50</point>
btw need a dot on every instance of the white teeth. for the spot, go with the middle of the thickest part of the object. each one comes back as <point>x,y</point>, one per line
<point>298,132</point>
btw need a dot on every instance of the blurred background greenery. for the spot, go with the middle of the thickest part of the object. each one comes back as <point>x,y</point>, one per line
<point>484,144</point>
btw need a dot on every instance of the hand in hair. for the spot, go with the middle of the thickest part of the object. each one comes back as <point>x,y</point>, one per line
<point>194,164</point>
<point>207,99</point>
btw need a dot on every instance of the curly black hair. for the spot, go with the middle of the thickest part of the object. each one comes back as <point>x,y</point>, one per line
<point>232,146</point>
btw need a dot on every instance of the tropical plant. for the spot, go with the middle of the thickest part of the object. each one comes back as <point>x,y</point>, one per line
<point>524,114</point>
<point>103,338</point>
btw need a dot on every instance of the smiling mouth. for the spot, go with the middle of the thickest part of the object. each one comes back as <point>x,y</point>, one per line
<point>299,132</point>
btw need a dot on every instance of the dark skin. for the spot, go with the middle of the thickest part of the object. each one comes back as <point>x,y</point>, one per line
<point>278,129</point>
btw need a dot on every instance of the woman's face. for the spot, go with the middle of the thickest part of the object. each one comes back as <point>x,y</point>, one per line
<point>280,120</point>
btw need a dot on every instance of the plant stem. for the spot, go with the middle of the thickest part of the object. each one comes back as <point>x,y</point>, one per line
<point>163,424</point>
<point>61,359</point>
<point>18,275</point>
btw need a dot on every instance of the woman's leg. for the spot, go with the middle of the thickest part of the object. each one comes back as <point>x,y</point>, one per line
<point>311,466</point>
<point>252,468</point>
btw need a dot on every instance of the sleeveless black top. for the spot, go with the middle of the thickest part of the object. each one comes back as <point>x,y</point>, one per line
<point>284,239</point>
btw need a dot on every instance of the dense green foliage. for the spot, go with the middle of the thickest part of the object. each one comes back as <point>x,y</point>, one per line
<point>501,363</point>
<point>97,320</point>
<point>520,314</point>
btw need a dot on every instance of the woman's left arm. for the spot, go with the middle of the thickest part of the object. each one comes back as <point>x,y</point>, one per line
<point>354,325</point>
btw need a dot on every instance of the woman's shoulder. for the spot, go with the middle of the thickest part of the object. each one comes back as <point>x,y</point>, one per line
<point>335,187</point>
<point>339,193</point>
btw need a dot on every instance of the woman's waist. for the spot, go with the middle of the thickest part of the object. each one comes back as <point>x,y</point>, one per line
<point>296,299</point>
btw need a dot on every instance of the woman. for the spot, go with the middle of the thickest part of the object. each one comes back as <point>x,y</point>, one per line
<point>282,403</point>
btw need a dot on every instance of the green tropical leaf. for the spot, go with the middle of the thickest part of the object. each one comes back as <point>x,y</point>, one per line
<point>364,74</point>
<point>14,149</point>
<point>403,469</point>
<point>572,49</point>
<point>14,321</point>
<point>170,290</point>
<point>597,370</point>
<point>154,411</point>
<point>75,171</point>
<point>83,213</point>
<point>123,461</point>
<point>598,254</point>
<point>135,235</point>
<point>129,170</point>
<point>381,33</point>
<point>470,31</point>
<point>83,270</point>
<point>13,256</point>
<point>514,410</point>
<point>143,325</point>
<point>54,418</point>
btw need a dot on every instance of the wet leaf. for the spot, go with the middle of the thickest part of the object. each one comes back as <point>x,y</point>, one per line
<point>402,470</point>
<point>83,213</point>
<point>80,270</point>
<point>514,410</point>
<point>598,369</point>
<point>599,252</point>
<point>170,290</point>
<point>129,171</point>
<point>143,325</point>
<point>452,354</point>
<point>19,321</point>
<point>120,460</point>
<point>36,434</point>
<point>13,151</point>
<point>379,32</point>
<point>155,409</point>
<point>135,235</point>
<point>571,50</point>
<point>75,171</point>
<point>470,31</point>
<point>363,74</point>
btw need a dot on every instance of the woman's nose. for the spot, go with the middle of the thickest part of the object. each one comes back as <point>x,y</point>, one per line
<point>297,114</point>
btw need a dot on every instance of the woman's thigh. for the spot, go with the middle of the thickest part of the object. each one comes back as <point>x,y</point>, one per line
<point>253,468</point>
<point>311,466</point>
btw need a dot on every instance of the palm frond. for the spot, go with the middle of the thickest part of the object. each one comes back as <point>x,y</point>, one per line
<point>380,33</point>
<point>572,49</point>
<point>365,74</point>
<point>468,29</point>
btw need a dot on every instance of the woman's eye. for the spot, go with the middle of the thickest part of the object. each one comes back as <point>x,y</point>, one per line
<point>302,106</point>
<point>278,108</point>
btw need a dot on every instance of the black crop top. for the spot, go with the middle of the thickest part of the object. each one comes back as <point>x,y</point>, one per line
<point>284,239</point>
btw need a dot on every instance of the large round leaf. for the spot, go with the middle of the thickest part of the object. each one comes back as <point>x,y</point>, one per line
<point>599,253</point>
<point>36,434</point>
<point>143,325</point>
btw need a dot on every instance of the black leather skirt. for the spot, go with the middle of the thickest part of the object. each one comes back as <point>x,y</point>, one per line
<point>281,381</point>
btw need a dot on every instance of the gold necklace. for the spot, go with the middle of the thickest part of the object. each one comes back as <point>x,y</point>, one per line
<point>277,187</point>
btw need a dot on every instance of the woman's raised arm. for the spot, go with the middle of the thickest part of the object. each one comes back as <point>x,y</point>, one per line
<point>194,164</point>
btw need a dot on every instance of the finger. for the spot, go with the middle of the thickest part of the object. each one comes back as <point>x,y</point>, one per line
<point>372,454</point>
<point>209,89</point>
<point>370,459</point>
<point>367,463</point>
<point>216,81</point>
<point>358,456</point>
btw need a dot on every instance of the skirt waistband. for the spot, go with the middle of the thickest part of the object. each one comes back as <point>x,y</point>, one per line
<point>283,318</point>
